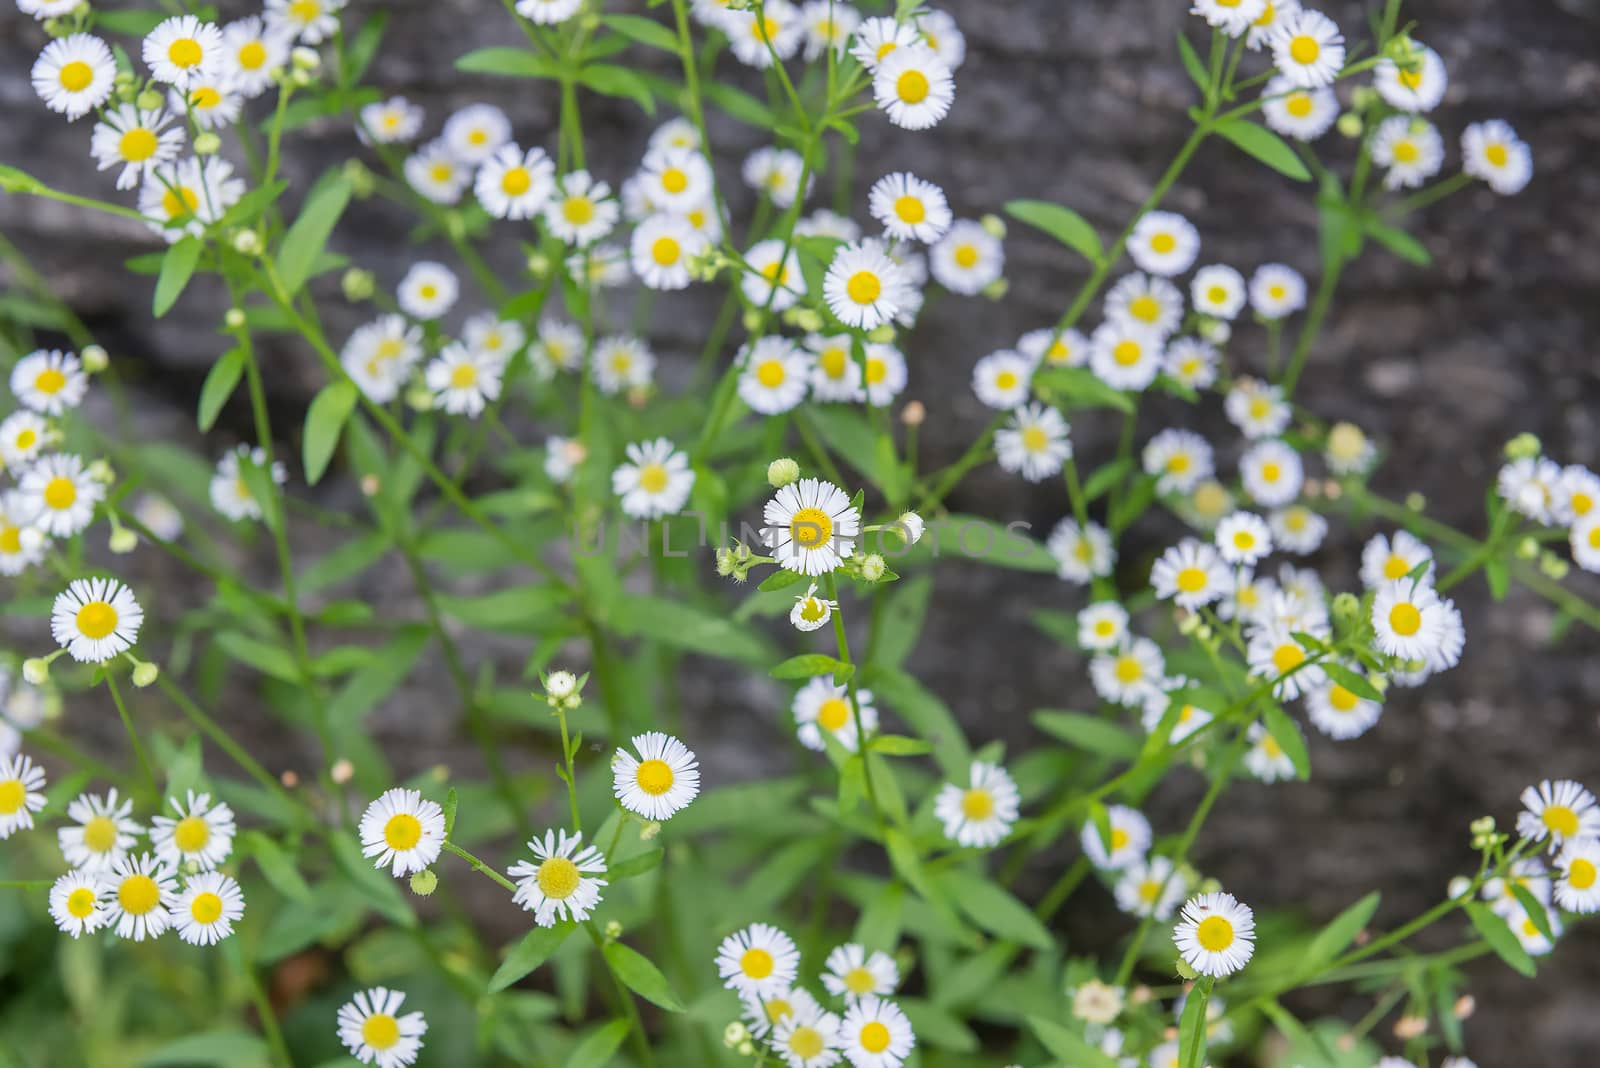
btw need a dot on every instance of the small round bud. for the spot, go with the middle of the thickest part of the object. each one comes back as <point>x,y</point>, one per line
<point>1524,446</point>
<point>734,1034</point>
<point>1408,1027</point>
<point>561,685</point>
<point>648,830</point>
<point>361,180</point>
<point>1215,331</point>
<point>1527,549</point>
<point>95,359</point>
<point>358,285</point>
<point>234,319</point>
<point>207,144</point>
<point>613,931</point>
<point>751,321</point>
<point>914,413</point>
<point>1465,1006</point>
<point>882,335</point>
<point>342,771</point>
<point>747,1048</point>
<point>1350,125</point>
<point>290,779</point>
<point>1416,501</point>
<point>911,527</point>
<point>371,485</point>
<point>994,226</point>
<point>538,264</point>
<point>123,541</point>
<point>247,243</point>
<point>1186,972</point>
<point>1459,887</point>
<point>872,567</point>
<point>301,78</point>
<point>808,320</point>
<point>149,100</point>
<point>726,561</point>
<point>420,399</point>
<point>424,882</point>
<point>1554,567</point>
<point>1363,97</point>
<point>36,670</point>
<point>305,58</point>
<point>145,674</point>
<point>1188,622</point>
<point>997,289</point>
<point>781,472</point>
<point>1346,607</point>
<point>102,471</point>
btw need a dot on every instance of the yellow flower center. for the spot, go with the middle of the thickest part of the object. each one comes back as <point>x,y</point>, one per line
<point>1127,352</point>
<point>655,777</point>
<point>910,210</point>
<point>912,87</point>
<point>1119,839</point>
<point>1405,619</point>
<point>1129,670</point>
<point>806,1042</point>
<point>578,210</point>
<point>1561,820</point>
<point>1271,472</point>
<point>12,796</point>
<point>137,145</point>
<point>96,620</point>
<point>884,49</point>
<point>874,1037</point>
<point>1149,890</point>
<point>1267,16</point>
<point>463,376</point>
<point>811,528</point>
<point>1105,628</point>
<point>185,53</point>
<point>1411,79</point>
<point>1580,502</point>
<point>1192,579</point>
<point>1145,308</point>
<point>1178,463</point>
<point>966,256</point>
<point>1006,380</point>
<point>100,834</point>
<point>877,371</point>
<point>558,878</point>
<point>1243,539</point>
<point>516,181</point>
<point>977,804</point>
<point>1270,746</point>
<point>191,834</point>
<point>1217,294</point>
<point>179,202</point>
<point>1214,934</point>
<point>1304,49</point>
<point>1396,567</point>
<point>1163,243</point>
<point>50,381</point>
<point>674,181</point>
<point>441,172</point>
<point>863,287</point>
<point>833,362</point>
<point>1581,874</point>
<point>480,136</point>
<point>1342,699</point>
<point>402,832</point>
<point>665,251</point>
<point>26,439</point>
<point>1497,155</point>
<point>1034,439</point>
<point>777,1009</point>
<point>812,610</point>
<point>206,908</point>
<point>76,76</point>
<point>1299,105</point>
<point>859,981</point>
<point>138,895</point>
<point>653,478</point>
<point>205,98</point>
<point>1406,152</point>
<point>756,963</point>
<point>252,55</point>
<point>305,10</point>
<point>834,714</point>
<point>380,1031</point>
<point>80,903</point>
<point>770,374</point>
<point>1287,657</point>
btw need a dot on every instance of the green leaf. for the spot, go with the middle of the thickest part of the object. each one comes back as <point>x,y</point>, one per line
<point>224,1049</point>
<point>364,48</point>
<point>177,267</point>
<point>1340,932</point>
<point>929,716</point>
<point>635,866</point>
<point>266,658</point>
<point>379,889</point>
<point>780,579</point>
<point>1399,242</point>
<point>1088,732</point>
<point>645,31</point>
<point>509,62</point>
<point>613,80</point>
<point>219,386</point>
<point>1192,1025</point>
<point>1500,937</point>
<point>1265,146</point>
<point>1063,224</point>
<point>1078,387</point>
<point>1067,1045</point>
<point>276,866</point>
<point>641,976</point>
<point>674,622</point>
<point>516,610</point>
<point>1106,476</point>
<point>740,105</point>
<point>994,909</point>
<point>806,665</point>
<point>536,947</point>
<point>325,421</point>
<point>899,745</point>
<point>1534,908</point>
<point>1353,681</point>
<point>903,856</point>
<point>1288,737</point>
<point>601,1045</point>
<point>309,235</point>
<point>1192,63</point>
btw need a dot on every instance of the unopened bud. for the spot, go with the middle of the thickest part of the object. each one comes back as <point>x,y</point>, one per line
<point>613,931</point>
<point>1459,887</point>
<point>781,472</point>
<point>123,541</point>
<point>1527,549</point>
<point>914,413</point>
<point>1554,567</point>
<point>207,144</point>
<point>994,226</point>
<point>1408,1027</point>
<point>538,264</point>
<point>872,567</point>
<point>1524,446</point>
<point>305,58</point>
<point>420,399</point>
<point>911,527</point>
<point>247,243</point>
<point>358,285</point>
<point>149,100</point>
<point>561,685</point>
<point>102,471</point>
<point>1416,501</point>
<point>1350,125</point>
<point>882,335</point>
<point>1346,607</point>
<point>36,670</point>
<point>997,289</point>
<point>145,674</point>
<point>751,321</point>
<point>424,882</point>
<point>734,1034</point>
<point>1465,1006</point>
<point>342,771</point>
<point>95,359</point>
<point>648,830</point>
<point>1186,972</point>
<point>727,563</point>
<point>234,319</point>
<point>370,485</point>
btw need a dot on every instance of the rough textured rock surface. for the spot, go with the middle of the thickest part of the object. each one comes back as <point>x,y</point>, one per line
<point>1083,103</point>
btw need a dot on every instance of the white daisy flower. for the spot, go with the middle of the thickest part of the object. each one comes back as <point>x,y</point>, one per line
<point>255,53</point>
<point>775,173</point>
<point>464,380</point>
<point>1247,596</point>
<point>1164,243</point>
<point>312,21</point>
<point>1295,111</point>
<point>1145,302</point>
<point>212,103</point>
<point>1528,874</point>
<point>909,208</point>
<point>230,492</point>
<point>662,247</point>
<point>557,346</point>
<point>207,908</point>
<point>825,223</point>
<point>1218,291</point>
<point>94,619</point>
<point>402,831</point>
<point>807,1037</point>
<point>940,33</point>
<point>878,37</point>
<point>435,174</point>
<point>1276,291</point>
<point>428,290</point>
<point>835,374</point>
<point>42,10</point>
<point>100,833</point>
<point>1002,379</point>
<point>1055,348</point>
<point>1493,151</point>
<point>1266,25</point>
<point>764,1014</point>
<point>811,526</point>
<point>1339,713</point>
<point>23,436</point>
<point>677,179</point>
<point>622,363</point>
<point>139,893</point>
<point>562,457</point>
<point>1102,626</point>
<point>828,25</point>
<point>202,834</point>
<point>1418,86</point>
<point>1130,839</point>
<point>137,141</point>
<point>1577,887</point>
<point>1583,540</point>
<point>1129,675</point>
<point>1216,935</point>
<point>1178,460</point>
<point>876,1034</point>
<point>475,133</point>
<point>1150,887</point>
<point>548,12</point>
<point>1081,554</point>
<point>1232,17</point>
<point>774,376</point>
<point>1297,529</point>
<point>980,814</point>
<point>1409,619</point>
<point>513,184</point>
<point>1193,362</point>
<point>1034,443</point>
<point>757,35</point>
<point>1578,493</point>
<point>1528,933</point>
<point>885,374</point>
<point>183,49</point>
<point>1189,720</point>
<point>562,882</point>
<point>488,334</point>
<point>967,259</point>
<point>660,781</point>
<point>393,121</point>
<point>49,381</point>
<point>1410,148</point>
<point>21,794</point>
<point>1562,811</point>
<point>1275,655</point>
<point>853,973</point>
<point>820,706</point>
<point>1243,538</point>
<point>1265,759</point>
<point>773,280</point>
<point>914,87</point>
<point>1272,473</point>
<point>372,1029</point>
<point>864,287</point>
<point>1309,49</point>
<point>811,612</point>
<point>76,903</point>
<point>759,961</point>
<point>1383,560</point>
<point>655,481</point>
<point>582,210</point>
<point>74,75</point>
<point>1190,574</point>
<point>1532,487</point>
<point>1125,356</point>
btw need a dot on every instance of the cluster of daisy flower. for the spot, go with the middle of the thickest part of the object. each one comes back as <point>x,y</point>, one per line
<point>53,494</point>
<point>1551,495</point>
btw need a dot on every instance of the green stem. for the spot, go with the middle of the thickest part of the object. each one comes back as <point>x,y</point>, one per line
<point>1313,324</point>
<point>479,866</point>
<point>572,773</point>
<point>133,737</point>
<point>225,742</point>
<point>831,586</point>
<point>641,1037</point>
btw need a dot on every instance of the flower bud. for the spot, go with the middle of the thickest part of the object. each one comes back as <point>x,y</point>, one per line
<point>102,471</point>
<point>882,335</point>
<point>424,882</point>
<point>95,359</point>
<point>751,321</point>
<point>994,226</point>
<point>145,674</point>
<point>781,472</point>
<point>358,285</point>
<point>1350,125</point>
<point>734,1034</point>
<point>123,541</point>
<point>726,561</point>
<point>1185,972</point>
<point>420,399</point>
<point>1527,549</point>
<point>36,670</point>
<point>613,931</point>
<point>648,830</point>
<point>914,413</point>
<point>561,685</point>
<point>247,243</point>
<point>1524,446</point>
<point>1459,887</point>
<point>234,319</point>
<point>149,100</point>
<point>207,144</point>
<point>305,58</point>
<point>997,289</point>
<point>872,567</point>
<point>1416,501</point>
<point>1554,567</point>
<point>342,771</point>
<point>1346,608</point>
<point>911,527</point>
<point>538,264</point>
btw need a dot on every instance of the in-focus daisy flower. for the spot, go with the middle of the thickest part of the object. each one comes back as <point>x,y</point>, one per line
<point>312,21</point>
<point>1297,529</point>
<point>967,258</point>
<point>1243,538</point>
<point>1082,554</point>
<point>811,612</point>
<point>807,1037</point>
<point>256,52</point>
<point>581,211</point>
<point>1130,839</point>
<point>1190,574</point>
<point>910,208</point>
<point>1416,86</point>
<point>1164,243</point>
<point>1384,560</point>
<point>1277,290</point>
<point>183,49</point>
<point>207,908</point>
<point>878,37</point>
<point>1266,24</point>
<point>1129,675</point>
<point>1339,713</point>
<point>884,374</point>
<point>820,706</point>
<point>1274,654</point>
<point>660,781</point>
<point>372,1029</point>
<point>402,831</point>
<point>655,481</point>
<point>139,896</point>
<point>759,961</point>
<point>1055,348</point>
<point>775,173</point>
<point>23,436</point>
<point>1410,147</point>
<point>135,140</point>
<point>980,814</point>
<point>1408,619</point>
<point>1560,810</point>
<point>1190,718</point>
<point>1192,361</point>
<point>1146,302</point>
<point>1102,625</point>
<point>74,74</point>
<point>202,834</point>
<point>1533,940</point>
<point>876,1034</point>
<point>835,374</point>
<point>21,794</point>
<point>1216,935</point>
<point>811,526</point>
<point>1493,151</point>
<point>1001,379</point>
<point>392,121</point>
<point>231,493</point>
<point>513,184</point>
<point>435,174</point>
<point>854,973</point>
<point>774,280</point>
<point>758,37</point>
<point>829,25</point>
<point>1125,356</point>
<point>1295,111</point>
<point>940,33</point>
<point>463,379</point>
<point>864,287</point>
<point>94,619</point>
<point>1218,291</point>
<point>548,12</point>
<point>677,179</point>
<point>1309,49</point>
<point>49,381</point>
<point>475,133</point>
<point>76,903</point>
<point>212,103</point>
<point>1149,887</point>
<point>1272,473</point>
<point>1034,443</point>
<point>1178,460</point>
<point>100,833</point>
<point>1232,17</point>
<point>428,290</point>
<point>774,375</point>
<point>1265,759</point>
<point>662,246</point>
<point>914,87</point>
<point>1577,887</point>
<point>562,881</point>
<point>622,362</point>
